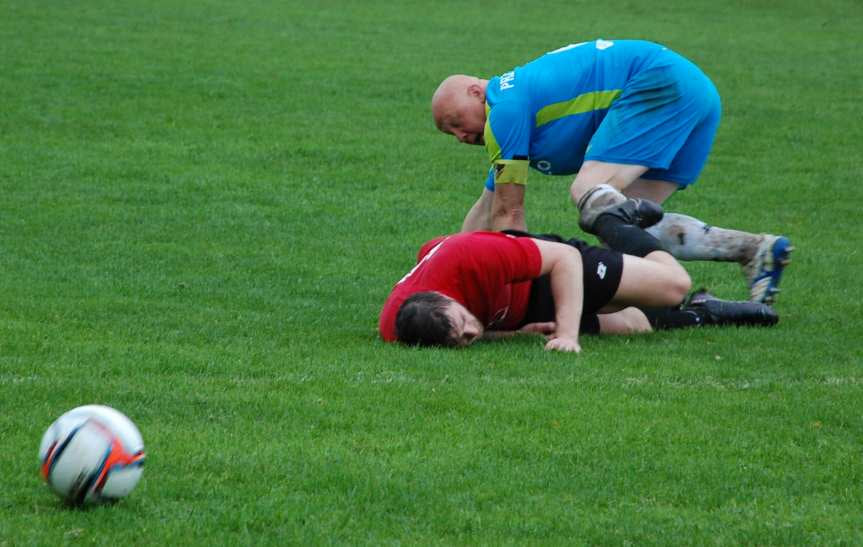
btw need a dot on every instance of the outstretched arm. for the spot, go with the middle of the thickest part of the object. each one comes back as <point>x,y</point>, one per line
<point>563,264</point>
<point>507,209</point>
<point>545,329</point>
<point>502,209</point>
<point>479,216</point>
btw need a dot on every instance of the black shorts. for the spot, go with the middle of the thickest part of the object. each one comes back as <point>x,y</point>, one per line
<point>602,271</point>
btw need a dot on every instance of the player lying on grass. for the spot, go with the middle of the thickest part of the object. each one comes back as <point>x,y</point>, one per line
<point>469,285</point>
<point>632,118</point>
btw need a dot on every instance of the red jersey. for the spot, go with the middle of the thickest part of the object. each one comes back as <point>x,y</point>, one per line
<point>489,273</point>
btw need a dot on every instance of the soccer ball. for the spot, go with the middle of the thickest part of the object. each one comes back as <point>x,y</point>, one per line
<point>92,454</point>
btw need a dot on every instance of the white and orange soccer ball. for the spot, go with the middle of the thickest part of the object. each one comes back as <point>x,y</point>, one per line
<point>92,454</point>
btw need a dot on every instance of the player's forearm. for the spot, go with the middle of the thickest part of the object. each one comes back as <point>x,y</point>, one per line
<point>507,207</point>
<point>508,219</point>
<point>531,329</point>
<point>564,266</point>
<point>479,216</point>
<point>567,286</point>
<point>476,219</point>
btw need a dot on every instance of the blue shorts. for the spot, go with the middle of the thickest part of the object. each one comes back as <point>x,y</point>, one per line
<point>665,119</point>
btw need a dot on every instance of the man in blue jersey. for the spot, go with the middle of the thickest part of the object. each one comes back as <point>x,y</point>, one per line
<point>633,119</point>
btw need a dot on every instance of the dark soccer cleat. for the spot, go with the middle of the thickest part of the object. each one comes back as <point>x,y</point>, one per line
<point>635,211</point>
<point>714,311</point>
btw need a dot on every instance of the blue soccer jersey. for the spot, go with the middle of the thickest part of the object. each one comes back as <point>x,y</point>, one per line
<point>549,113</point>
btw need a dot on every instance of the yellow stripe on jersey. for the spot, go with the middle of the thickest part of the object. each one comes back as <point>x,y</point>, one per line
<point>586,102</point>
<point>505,171</point>
<point>491,145</point>
<point>511,171</point>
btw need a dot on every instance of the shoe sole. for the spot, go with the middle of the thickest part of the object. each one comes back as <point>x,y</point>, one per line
<point>741,314</point>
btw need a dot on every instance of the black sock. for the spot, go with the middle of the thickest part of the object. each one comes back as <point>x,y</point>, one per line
<point>672,318</point>
<point>625,238</point>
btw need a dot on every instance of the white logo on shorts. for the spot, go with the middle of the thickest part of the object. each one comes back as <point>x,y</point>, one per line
<point>600,270</point>
<point>543,165</point>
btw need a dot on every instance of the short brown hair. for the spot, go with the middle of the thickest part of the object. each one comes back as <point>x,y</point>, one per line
<point>422,320</point>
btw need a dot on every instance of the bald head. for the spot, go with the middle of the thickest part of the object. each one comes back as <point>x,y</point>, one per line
<point>450,93</point>
<point>458,107</point>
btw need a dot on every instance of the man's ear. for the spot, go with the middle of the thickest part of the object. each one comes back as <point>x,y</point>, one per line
<point>475,90</point>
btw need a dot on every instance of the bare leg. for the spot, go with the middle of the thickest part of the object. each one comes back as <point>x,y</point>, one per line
<point>654,190</point>
<point>653,281</point>
<point>626,321</point>
<point>597,188</point>
<point>594,173</point>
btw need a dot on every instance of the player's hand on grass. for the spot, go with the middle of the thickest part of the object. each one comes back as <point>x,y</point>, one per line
<point>563,343</point>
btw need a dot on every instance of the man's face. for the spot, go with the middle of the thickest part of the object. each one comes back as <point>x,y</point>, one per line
<point>458,107</point>
<point>466,122</point>
<point>466,328</point>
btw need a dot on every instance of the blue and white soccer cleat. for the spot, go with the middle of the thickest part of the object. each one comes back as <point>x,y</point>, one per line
<point>764,271</point>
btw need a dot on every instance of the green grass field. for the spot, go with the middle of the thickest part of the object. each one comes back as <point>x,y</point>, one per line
<point>203,206</point>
